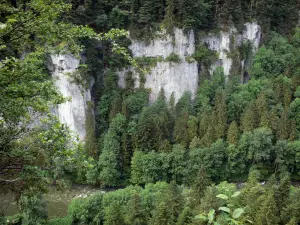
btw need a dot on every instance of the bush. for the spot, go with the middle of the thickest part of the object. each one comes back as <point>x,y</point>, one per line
<point>173,58</point>
<point>61,221</point>
<point>93,205</point>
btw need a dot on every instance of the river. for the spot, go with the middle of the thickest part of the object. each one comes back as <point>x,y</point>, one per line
<point>57,200</point>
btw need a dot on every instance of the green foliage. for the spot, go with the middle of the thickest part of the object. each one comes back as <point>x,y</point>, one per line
<point>204,55</point>
<point>136,213</point>
<point>60,221</point>
<point>173,58</point>
<point>90,139</point>
<point>153,126</point>
<point>201,182</point>
<point>163,203</point>
<point>34,209</point>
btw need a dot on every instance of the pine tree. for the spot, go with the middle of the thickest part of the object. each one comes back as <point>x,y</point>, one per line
<point>185,217</point>
<point>249,120</point>
<point>135,212</point>
<point>262,110</point>
<point>172,102</point>
<point>205,123</point>
<point>232,134</point>
<point>113,215</point>
<point>220,114</point>
<point>201,182</point>
<point>283,192</point>
<point>110,160</point>
<point>169,21</point>
<point>283,128</point>
<point>192,127</point>
<point>267,211</point>
<point>174,201</point>
<point>208,138</point>
<point>90,139</point>
<point>181,129</point>
<point>161,214</point>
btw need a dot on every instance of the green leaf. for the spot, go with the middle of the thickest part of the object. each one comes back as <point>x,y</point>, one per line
<point>237,213</point>
<point>225,209</point>
<point>201,217</point>
<point>211,215</point>
<point>236,194</point>
<point>222,196</point>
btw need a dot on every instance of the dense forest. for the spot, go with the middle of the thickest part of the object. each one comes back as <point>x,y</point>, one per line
<point>225,156</point>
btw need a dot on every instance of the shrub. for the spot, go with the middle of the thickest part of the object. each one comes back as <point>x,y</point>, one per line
<point>173,58</point>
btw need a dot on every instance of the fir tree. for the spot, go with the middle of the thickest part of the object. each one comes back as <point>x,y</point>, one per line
<point>192,127</point>
<point>283,192</point>
<point>169,20</point>
<point>283,128</point>
<point>201,182</point>
<point>135,212</point>
<point>220,115</point>
<point>181,129</point>
<point>232,134</point>
<point>185,217</point>
<point>267,211</point>
<point>90,139</point>
<point>174,201</point>
<point>262,110</point>
<point>113,215</point>
<point>161,214</point>
<point>249,120</point>
<point>172,102</point>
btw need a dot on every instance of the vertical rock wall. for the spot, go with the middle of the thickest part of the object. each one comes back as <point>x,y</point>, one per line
<point>183,76</point>
<point>221,43</point>
<point>73,111</point>
<point>171,76</point>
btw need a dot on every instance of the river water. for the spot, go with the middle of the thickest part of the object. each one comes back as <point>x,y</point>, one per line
<point>57,200</point>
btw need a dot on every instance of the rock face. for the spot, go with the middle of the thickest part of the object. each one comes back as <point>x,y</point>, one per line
<point>172,77</point>
<point>222,43</point>
<point>72,112</point>
<point>183,76</point>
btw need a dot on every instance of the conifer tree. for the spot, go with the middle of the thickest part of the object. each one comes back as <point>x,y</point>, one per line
<point>181,129</point>
<point>90,139</point>
<point>249,120</point>
<point>220,114</point>
<point>108,161</point>
<point>262,110</point>
<point>201,182</point>
<point>205,123</point>
<point>113,215</point>
<point>185,217</point>
<point>172,101</point>
<point>232,134</point>
<point>135,212</point>
<point>283,128</point>
<point>153,126</point>
<point>169,20</point>
<point>208,138</point>
<point>174,201</point>
<point>283,192</point>
<point>161,214</point>
<point>192,127</point>
<point>267,211</point>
